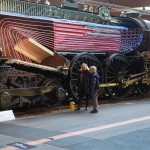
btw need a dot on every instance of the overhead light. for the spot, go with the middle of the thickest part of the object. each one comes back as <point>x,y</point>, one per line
<point>139,8</point>
<point>147,8</point>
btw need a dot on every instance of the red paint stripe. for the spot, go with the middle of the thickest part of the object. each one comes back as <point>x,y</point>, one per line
<point>99,128</point>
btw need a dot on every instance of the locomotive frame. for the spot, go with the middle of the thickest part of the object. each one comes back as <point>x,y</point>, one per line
<point>123,72</point>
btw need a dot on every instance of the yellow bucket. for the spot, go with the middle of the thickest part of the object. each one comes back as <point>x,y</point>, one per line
<point>72,106</point>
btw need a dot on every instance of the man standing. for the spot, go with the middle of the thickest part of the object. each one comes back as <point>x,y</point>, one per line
<point>93,87</point>
<point>83,85</point>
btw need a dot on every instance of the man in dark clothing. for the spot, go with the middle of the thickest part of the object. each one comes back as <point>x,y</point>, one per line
<point>83,85</point>
<point>93,87</point>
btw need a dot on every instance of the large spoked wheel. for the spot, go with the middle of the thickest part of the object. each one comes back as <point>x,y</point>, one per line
<point>5,98</point>
<point>117,69</point>
<point>52,96</point>
<point>74,70</point>
<point>143,89</point>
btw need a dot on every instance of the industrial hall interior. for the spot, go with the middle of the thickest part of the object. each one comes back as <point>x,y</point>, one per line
<point>74,74</point>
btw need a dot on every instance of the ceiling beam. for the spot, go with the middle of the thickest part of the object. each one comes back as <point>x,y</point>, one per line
<point>131,3</point>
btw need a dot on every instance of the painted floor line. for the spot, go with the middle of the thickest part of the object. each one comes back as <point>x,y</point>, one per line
<point>80,132</point>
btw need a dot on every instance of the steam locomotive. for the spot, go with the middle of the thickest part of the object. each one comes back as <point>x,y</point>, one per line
<point>43,47</point>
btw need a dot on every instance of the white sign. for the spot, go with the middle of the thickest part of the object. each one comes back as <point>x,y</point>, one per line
<point>6,115</point>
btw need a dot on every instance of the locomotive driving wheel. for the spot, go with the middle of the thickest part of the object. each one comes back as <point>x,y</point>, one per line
<point>53,101</point>
<point>143,89</point>
<point>74,70</point>
<point>5,98</point>
<point>117,69</point>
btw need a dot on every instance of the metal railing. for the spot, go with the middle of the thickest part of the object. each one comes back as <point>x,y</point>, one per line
<point>33,10</point>
<point>26,8</point>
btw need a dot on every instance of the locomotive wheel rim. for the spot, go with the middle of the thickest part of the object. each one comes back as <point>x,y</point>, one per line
<point>74,70</point>
<point>54,102</point>
<point>143,89</point>
<point>117,69</point>
<point>5,100</point>
<point>4,103</point>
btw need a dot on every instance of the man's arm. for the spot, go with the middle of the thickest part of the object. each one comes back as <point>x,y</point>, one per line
<point>93,84</point>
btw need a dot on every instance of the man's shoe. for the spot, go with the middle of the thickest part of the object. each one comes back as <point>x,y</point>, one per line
<point>94,111</point>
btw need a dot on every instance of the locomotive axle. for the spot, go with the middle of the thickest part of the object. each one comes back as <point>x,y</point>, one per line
<point>132,79</point>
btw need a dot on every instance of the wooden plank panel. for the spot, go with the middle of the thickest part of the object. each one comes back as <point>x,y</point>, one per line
<point>33,50</point>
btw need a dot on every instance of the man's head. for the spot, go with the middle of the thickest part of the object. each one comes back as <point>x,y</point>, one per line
<point>84,67</point>
<point>93,69</point>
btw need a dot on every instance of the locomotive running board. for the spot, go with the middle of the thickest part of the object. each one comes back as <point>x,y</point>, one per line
<point>29,91</point>
<point>132,79</point>
<point>32,66</point>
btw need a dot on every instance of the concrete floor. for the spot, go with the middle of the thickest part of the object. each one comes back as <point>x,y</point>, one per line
<point>122,126</point>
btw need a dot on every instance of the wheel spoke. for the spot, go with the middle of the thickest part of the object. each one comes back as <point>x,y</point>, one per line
<point>144,89</point>
<point>79,65</point>
<point>114,66</point>
<point>116,71</point>
<point>112,81</point>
